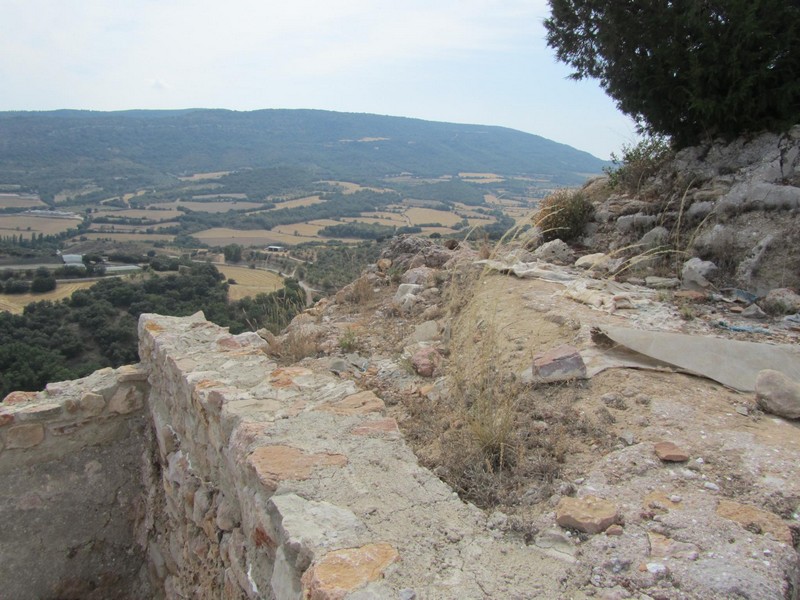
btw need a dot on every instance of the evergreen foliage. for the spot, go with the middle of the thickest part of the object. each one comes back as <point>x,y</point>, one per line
<point>96,327</point>
<point>686,69</point>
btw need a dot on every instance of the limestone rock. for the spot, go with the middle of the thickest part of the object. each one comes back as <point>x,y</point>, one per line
<point>597,262</point>
<point>25,436</point>
<point>754,312</point>
<point>782,301</point>
<point>661,283</point>
<point>654,238</point>
<point>418,276</point>
<point>563,363</point>
<point>697,273</point>
<point>670,452</point>
<point>556,252</point>
<point>778,394</point>
<point>425,360</point>
<point>589,514</point>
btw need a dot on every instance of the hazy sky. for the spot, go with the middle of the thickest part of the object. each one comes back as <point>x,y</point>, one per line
<point>466,61</point>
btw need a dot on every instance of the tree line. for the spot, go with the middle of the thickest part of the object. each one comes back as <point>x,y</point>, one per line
<point>97,327</point>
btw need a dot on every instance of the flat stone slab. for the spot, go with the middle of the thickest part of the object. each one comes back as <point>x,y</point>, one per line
<point>670,452</point>
<point>589,514</point>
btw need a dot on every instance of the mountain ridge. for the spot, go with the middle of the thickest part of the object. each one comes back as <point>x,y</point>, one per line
<point>328,143</point>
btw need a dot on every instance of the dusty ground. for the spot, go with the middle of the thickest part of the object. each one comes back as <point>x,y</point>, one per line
<point>516,450</point>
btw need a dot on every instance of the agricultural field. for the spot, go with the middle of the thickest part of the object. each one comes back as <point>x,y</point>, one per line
<point>310,229</point>
<point>15,303</point>
<point>235,196</point>
<point>418,216</point>
<point>348,187</point>
<point>140,213</point>
<point>307,201</point>
<point>399,221</point>
<point>127,237</point>
<point>204,176</point>
<point>20,201</point>
<point>212,207</point>
<point>222,236</point>
<point>250,282</point>
<point>30,225</point>
<point>481,177</point>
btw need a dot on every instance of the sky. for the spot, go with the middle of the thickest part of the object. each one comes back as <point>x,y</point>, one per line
<point>464,61</point>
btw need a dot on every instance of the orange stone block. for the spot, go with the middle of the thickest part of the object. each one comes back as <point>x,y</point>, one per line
<point>378,427</point>
<point>274,464</point>
<point>282,378</point>
<point>19,397</point>
<point>342,571</point>
<point>357,404</point>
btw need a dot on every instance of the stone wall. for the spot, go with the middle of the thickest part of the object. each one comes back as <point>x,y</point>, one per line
<point>288,483</point>
<point>208,471</point>
<point>71,461</point>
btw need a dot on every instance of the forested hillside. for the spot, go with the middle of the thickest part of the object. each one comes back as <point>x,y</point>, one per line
<point>46,152</point>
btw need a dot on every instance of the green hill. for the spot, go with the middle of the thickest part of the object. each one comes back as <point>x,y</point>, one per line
<point>51,151</point>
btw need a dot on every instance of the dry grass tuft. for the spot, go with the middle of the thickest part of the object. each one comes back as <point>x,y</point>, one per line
<point>296,345</point>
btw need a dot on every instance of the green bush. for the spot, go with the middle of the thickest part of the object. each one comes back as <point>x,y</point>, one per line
<point>688,70</point>
<point>564,214</point>
<point>638,163</point>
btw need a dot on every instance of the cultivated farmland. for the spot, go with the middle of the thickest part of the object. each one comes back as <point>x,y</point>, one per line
<point>250,282</point>
<point>15,303</point>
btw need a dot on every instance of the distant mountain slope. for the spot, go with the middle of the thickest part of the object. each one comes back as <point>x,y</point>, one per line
<point>151,145</point>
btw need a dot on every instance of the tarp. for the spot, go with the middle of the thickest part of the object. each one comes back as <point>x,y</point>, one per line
<point>732,363</point>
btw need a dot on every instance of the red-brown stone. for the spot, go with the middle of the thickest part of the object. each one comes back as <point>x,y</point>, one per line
<point>670,452</point>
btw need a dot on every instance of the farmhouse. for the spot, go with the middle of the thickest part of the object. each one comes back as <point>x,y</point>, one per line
<point>276,248</point>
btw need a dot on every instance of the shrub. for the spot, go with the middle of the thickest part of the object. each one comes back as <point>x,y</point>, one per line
<point>638,163</point>
<point>564,214</point>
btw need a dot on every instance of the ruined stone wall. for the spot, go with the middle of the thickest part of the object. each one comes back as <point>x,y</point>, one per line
<point>208,471</point>
<point>283,482</point>
<point>71,462</point>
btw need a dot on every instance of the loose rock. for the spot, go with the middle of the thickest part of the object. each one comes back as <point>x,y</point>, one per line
<point>669,452</point>
<point>778,394</point>
<point>589,514</point>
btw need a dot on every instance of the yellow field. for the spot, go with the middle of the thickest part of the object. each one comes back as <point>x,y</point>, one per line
<point>418,216</point>
<point>222,236</point>
<point>19,201</point>
<point>492,199</point>
<point>401,222</point>
<point>141,213</point>
<point>202,176</point>
<point>310,229</point>
<point>28,225</point>
<point>15,303</point>
<point>307,201</point>
<point>250,282</point>
<point>213,207</point>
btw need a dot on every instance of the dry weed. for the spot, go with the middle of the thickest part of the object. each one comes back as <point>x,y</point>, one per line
<point>296,346</point>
